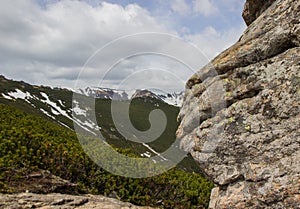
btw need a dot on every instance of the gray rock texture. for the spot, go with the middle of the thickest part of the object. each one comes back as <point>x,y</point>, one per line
<point>41,189</point>
<point>254,8</point>
<point>240,117</point>
<point>62,201</point>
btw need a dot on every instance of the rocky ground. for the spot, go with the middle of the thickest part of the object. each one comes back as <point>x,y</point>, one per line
<point>61,201</point>
<point>41,189</point>
<point>241,113</point>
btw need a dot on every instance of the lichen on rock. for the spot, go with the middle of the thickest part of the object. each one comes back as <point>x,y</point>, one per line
<point>249,146</point>
<point>254,8</point>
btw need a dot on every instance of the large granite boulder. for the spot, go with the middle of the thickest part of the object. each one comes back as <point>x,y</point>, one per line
<point>240,118</point>
<point>254,8</point>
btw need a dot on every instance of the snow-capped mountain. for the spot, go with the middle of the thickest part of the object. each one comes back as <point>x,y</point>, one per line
<point>57,104</point>
<point>60,106</point>
<point>174,98</point>
<point>105,93</point>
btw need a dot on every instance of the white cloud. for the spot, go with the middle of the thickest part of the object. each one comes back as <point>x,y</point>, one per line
<point>67,32</point>
<point>204,7</point>
<point>211,42</point>
<point>50,45</point>
<point>62,36</point>
<point>181,7</point>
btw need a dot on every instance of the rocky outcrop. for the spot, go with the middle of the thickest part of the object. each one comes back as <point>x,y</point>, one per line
<point>41,189</point>
<point>254,8</point>
<point>42,181</point>
<point>59,201</point>
<point>240,117</point>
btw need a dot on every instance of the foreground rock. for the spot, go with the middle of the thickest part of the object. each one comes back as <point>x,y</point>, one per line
<point>62,201</point>
<point>241,114</point>
<point>41,189</point>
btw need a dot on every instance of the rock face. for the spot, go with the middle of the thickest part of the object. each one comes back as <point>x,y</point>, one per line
<point>240,118</point>
<point>254,8</point>
<point>62,201</point>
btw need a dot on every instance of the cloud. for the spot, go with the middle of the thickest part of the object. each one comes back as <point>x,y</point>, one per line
<point>181,7</point>
<point>67,32</point>
<point>63,34</point>
<point>50,44</point>
<point>211,42</point>
<point>205,7</point>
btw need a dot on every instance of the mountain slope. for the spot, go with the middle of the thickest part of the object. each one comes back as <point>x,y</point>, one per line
<point>56,105</point>
<point>29,143</point>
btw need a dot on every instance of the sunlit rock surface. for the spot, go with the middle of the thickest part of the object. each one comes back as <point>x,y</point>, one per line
<point>240,118</point>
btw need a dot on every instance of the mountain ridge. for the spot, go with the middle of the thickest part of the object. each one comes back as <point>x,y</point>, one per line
<point>172,98</point>
<point>42,157</point>
<point>37,134</point>
<point>58,105</point>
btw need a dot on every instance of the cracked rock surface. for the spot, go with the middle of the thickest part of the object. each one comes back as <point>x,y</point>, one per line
<point>62,201</point>
<point>240,117</point>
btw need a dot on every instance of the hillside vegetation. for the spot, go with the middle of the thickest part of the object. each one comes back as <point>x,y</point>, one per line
<point>29,143</point>
<point>60,108</point>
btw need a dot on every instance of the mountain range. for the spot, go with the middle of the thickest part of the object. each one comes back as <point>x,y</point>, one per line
<point>174,98</point>
<point>40,150</point>
<point>58,105</point>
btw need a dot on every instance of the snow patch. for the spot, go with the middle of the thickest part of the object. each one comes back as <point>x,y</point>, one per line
<point>46,113</point>
<point>152,150</point>
<point>77,110</point>
<point>55,108</point>
<point>61,103</point>
<point>18,94</point>
<point>6,97</point>
<point>55,112</point>
<point>82,125</point>
<point>146,154</point>
<point>64,125</point>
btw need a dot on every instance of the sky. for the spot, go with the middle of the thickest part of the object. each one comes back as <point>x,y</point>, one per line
<point>124,44</point>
